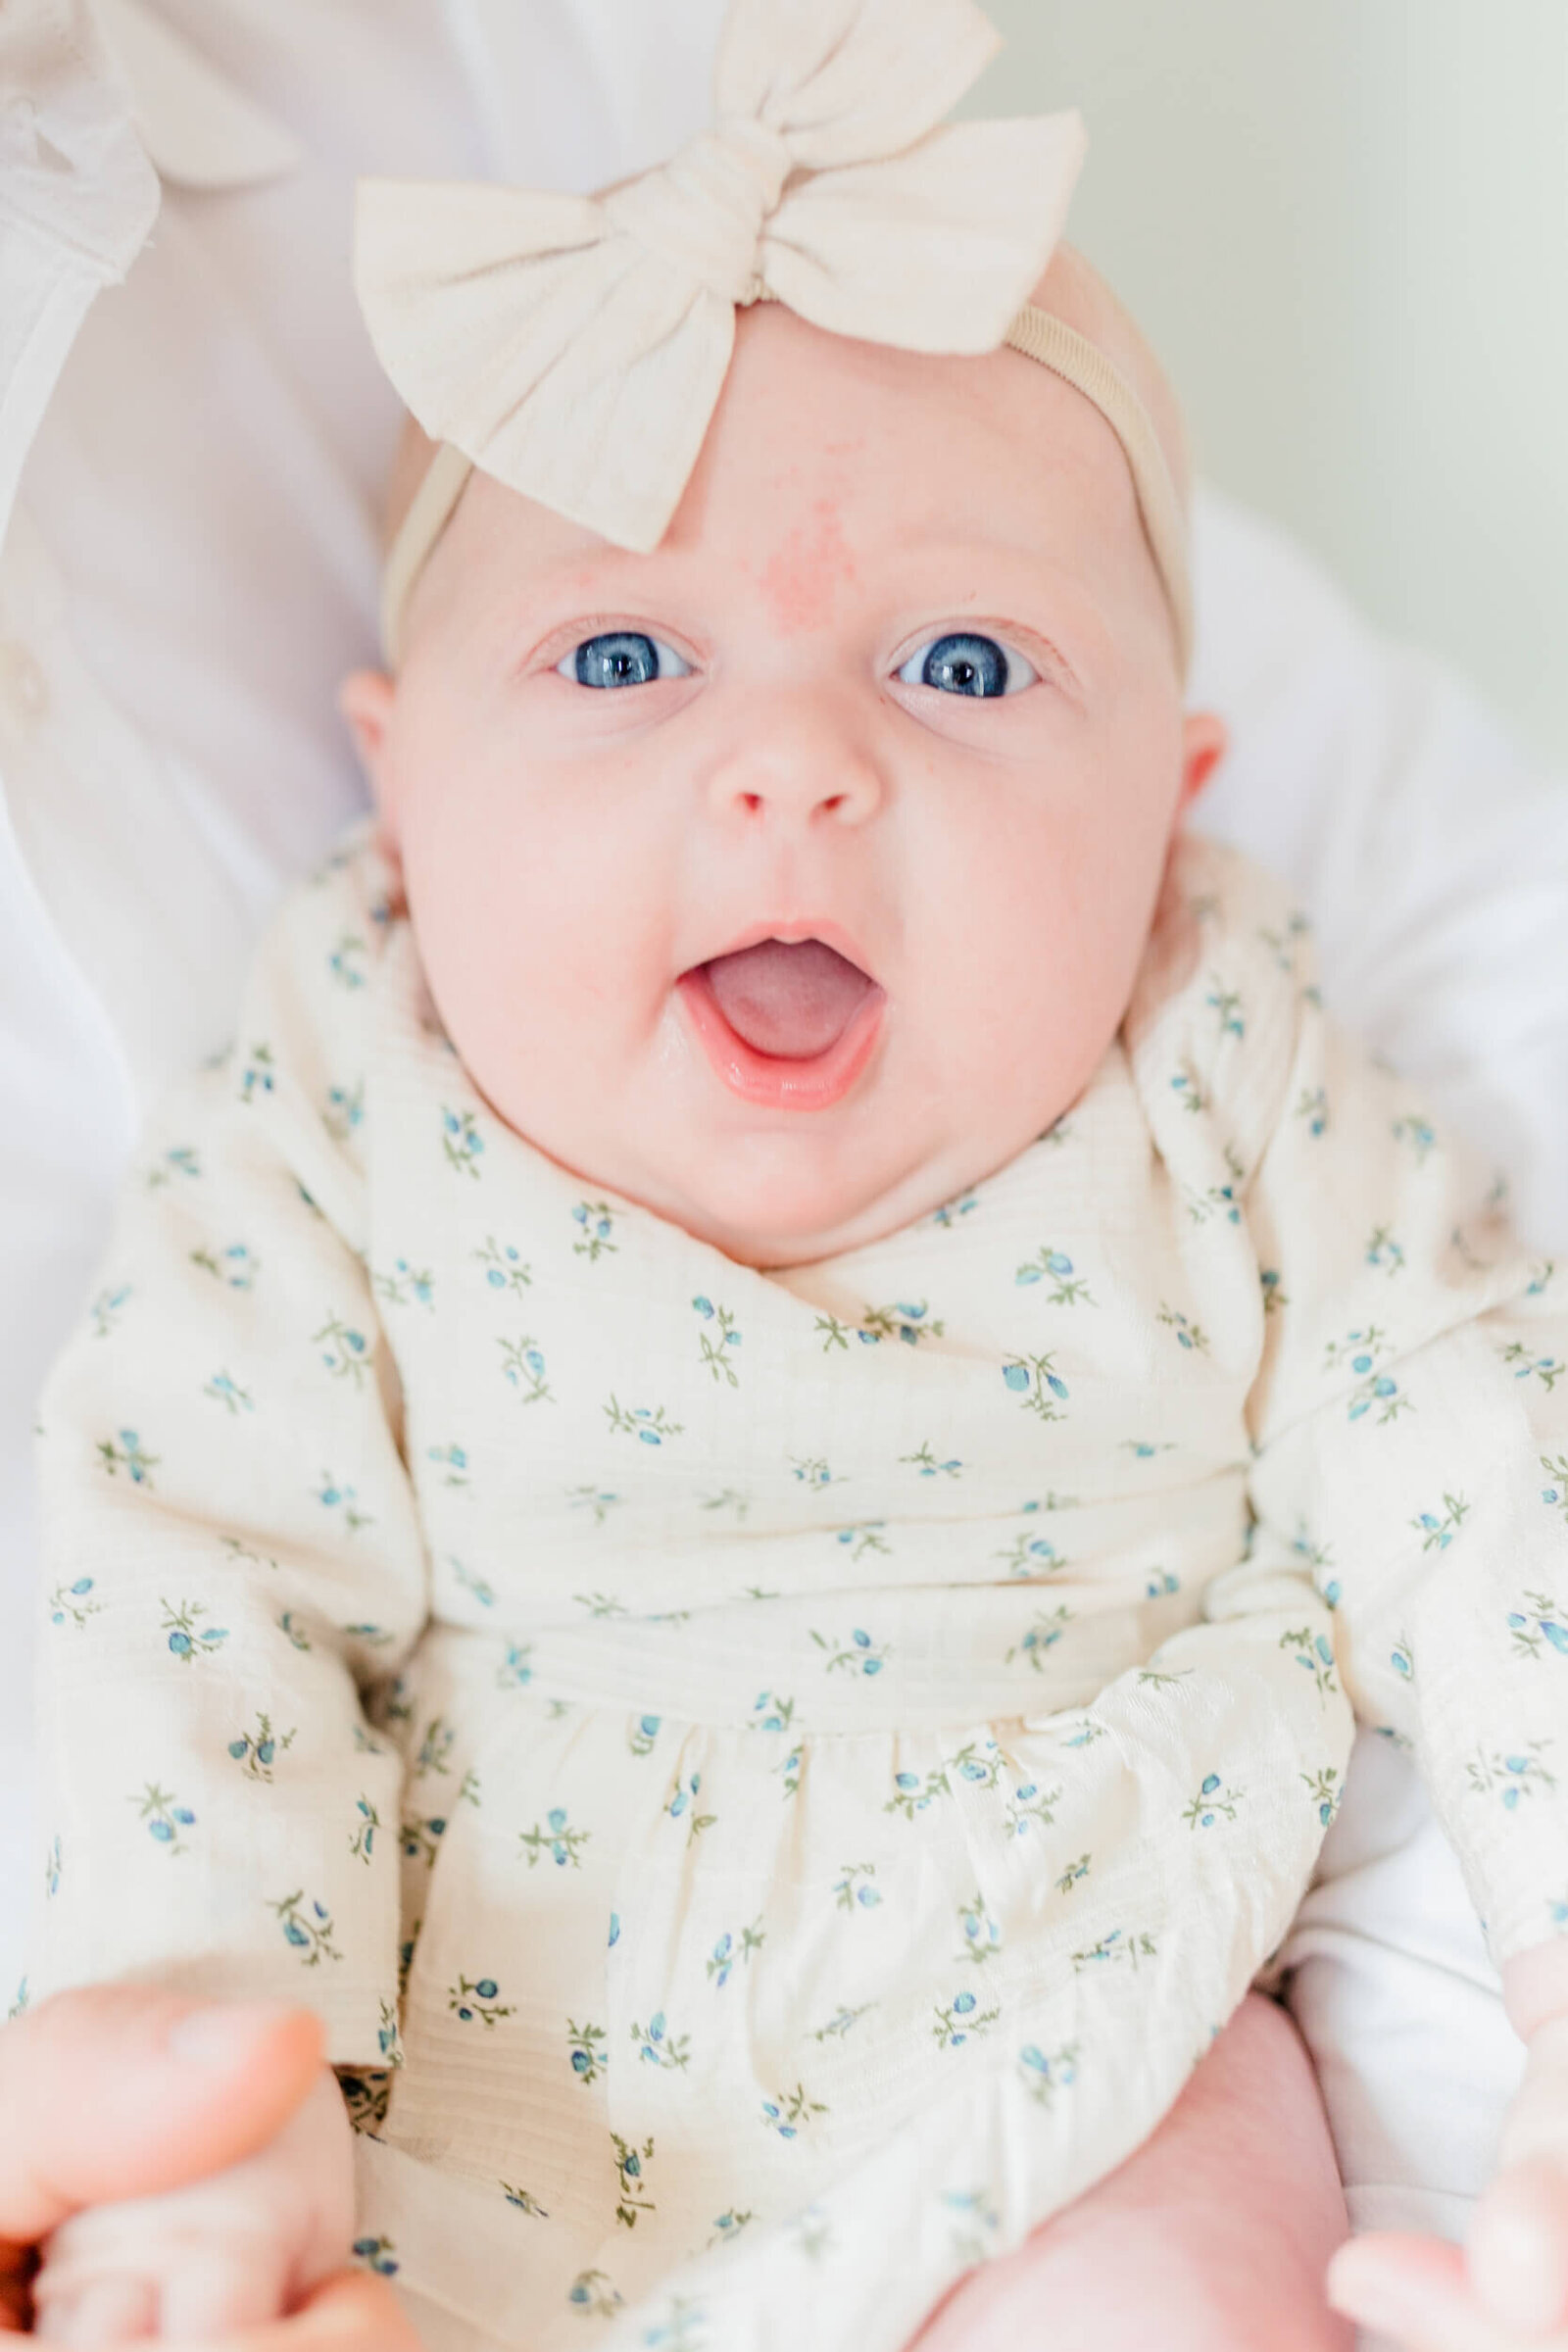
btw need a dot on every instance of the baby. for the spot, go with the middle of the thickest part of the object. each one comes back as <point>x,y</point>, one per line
<point>732,1481</point>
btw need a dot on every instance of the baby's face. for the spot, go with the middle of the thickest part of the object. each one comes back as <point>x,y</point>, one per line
<point>898,681</point>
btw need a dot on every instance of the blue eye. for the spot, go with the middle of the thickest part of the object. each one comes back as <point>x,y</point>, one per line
<point>623,657</point>
<point>968,664</point>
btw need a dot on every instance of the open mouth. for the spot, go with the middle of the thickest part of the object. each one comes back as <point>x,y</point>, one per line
<point>786,1022</point>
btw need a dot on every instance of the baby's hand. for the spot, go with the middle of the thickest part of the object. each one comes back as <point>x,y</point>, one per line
<point>227,2252</point>
<point>1508,2291</point>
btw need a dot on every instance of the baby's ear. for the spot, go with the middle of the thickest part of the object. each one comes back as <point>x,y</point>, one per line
<point>365,699</point>
<point>1206,738</point>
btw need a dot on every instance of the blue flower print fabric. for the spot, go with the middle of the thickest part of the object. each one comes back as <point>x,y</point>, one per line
<point>772,1780</point>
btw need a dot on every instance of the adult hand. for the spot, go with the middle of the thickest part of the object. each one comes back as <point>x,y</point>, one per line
<point>121,2091</point>
<point>1508,2291</point>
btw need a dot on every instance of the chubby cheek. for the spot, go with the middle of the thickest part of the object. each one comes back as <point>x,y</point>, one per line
<point>1045,914</point>
<point>534,936</point>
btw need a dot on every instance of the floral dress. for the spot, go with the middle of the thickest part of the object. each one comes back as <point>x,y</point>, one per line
<point>772,1779</point>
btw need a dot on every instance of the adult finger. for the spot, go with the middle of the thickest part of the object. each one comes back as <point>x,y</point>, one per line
<point>1414,2290</point>
<point>347,2313</point>
<point>118,2090</point>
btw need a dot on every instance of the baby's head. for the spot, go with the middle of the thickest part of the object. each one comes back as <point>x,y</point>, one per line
<point>899,688</point>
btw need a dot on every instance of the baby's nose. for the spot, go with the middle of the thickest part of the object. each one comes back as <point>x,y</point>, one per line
<point>796,764</point>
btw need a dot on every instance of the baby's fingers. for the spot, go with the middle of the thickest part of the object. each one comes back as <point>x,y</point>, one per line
<point>1414,2291</point>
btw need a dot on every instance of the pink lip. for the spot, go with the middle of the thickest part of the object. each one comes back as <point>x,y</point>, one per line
<point>771,1080</point>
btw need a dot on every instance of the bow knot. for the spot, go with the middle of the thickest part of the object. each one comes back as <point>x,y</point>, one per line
<point>574,348</point>
<point>703,211</point>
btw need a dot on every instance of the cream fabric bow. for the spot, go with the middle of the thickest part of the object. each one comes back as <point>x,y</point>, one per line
<point>575,347</point>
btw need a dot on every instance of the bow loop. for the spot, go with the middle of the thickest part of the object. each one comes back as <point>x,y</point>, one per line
<point>576,348</point>
<point>703,211</point>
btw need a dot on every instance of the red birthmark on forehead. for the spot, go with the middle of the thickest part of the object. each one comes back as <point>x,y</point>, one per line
<point>802,578</point>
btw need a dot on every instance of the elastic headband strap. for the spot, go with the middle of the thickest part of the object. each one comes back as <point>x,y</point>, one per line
<point>1036,333</point>
<point>1042,336</point>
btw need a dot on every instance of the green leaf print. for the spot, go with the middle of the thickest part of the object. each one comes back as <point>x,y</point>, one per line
<point>982,1937</point>
<point>345,1351</point>
<point>1065,1287</point>
<point>435,1748</point>
<point>1037,1384</point>
<point>556,1839</point>
<point>1117,1949</point>
<point>913,1794</point>
<point>1384,1252</point>
<point>587,2050</point>
<point>187,1639</point>
<point>71,1605</point>
<point>929,1465</point>
<point>842,2022</point>
<point>718,1342</point>
<point>1189,1335</point>
<point>522,1368</point>
<point>1436,1533</point>
<point>129,1457</point>
<point>1213,1799</point>
<point>165,1817</point>
<point>657,2047</point>
<point>1044,2077</point>
<point>592,2293</point>
<point>310,1931</point>
<point>406,1285</point>
<point>651,1425</point>
<point>681,1805</point>
<point>1511,1775</point>
<point>858,1655</point>
<point>596,1226</point>
<point>378,2254</point>
<point>256,1753</point>
<point>852,1891</point>
<point>225,1389</point>
<point>524,2200</point>
<point>1525,1365</point>
<point>362,1843</point>
<point>1315,1653</point>
<point>1043,1633</point>
<point>107,1307</point>
<point>503,1266</point>
<point>1536,1621</point>
<point>462,1142</point>
<point>1554,1495</point>
<point>1323,1792</point>
<point>631,2171</point>
<point>478,1997</point>
<point>962,2019</point>
<point>727,1954</point>
<point>788,2110</point>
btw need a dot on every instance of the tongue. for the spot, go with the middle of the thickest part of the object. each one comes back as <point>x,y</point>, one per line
<point>793,999</point>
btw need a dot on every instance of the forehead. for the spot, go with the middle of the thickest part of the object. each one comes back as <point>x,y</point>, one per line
<point>832,467</point>
<point>875,450</point>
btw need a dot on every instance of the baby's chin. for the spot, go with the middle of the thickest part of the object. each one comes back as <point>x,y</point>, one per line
<point>780,1200</point>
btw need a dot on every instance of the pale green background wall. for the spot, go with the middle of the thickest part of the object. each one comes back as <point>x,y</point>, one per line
<point>1344,224</point>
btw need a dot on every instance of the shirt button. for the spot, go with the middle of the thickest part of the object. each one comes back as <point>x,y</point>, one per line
<point>24,688</point>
